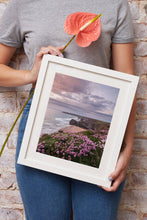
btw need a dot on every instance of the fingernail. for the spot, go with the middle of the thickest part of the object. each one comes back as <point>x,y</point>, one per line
<point>55,53</point>
<point>110,178</point>
<point>61,55</point>
<point>46,51</point>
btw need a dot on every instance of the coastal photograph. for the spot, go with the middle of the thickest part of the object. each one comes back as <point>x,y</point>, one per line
<point>77,120</point>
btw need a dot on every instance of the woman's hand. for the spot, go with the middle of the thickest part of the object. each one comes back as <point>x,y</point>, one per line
<point>119,173</point>
<point>56,51</point>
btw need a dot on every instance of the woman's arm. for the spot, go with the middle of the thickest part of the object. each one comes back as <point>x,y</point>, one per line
<point>10,77</point>
<point>122,55</point>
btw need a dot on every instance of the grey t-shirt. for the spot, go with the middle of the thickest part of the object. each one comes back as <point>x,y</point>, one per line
<point>33,24</point>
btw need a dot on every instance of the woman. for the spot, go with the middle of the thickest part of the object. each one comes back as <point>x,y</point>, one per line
<point>36,25</point>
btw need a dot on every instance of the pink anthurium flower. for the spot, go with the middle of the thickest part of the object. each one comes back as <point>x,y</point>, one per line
<point>87,27</point>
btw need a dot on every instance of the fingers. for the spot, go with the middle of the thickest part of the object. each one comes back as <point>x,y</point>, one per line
<point>121,167</point>
<point>61,48</point>
<point>42,52</point>
<point>115,174</point>
<point>118,175</point>
<point>55,51</point>
<point>115,183</point>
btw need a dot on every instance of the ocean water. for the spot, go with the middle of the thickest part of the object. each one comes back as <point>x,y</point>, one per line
<point>79,111</point>
<point>55,120</point>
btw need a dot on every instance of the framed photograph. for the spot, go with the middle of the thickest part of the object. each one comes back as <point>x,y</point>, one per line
<point>77,120</point>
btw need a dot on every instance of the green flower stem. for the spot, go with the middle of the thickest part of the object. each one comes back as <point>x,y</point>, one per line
<point>68,43</point>
<point>15,123</point>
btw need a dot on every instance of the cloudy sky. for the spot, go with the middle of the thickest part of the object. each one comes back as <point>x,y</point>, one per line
<point>82,97</point>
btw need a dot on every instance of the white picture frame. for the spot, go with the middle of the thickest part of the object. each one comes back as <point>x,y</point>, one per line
<point>122,85</point>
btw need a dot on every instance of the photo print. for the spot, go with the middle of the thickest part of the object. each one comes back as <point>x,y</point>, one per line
<point>77,120</point>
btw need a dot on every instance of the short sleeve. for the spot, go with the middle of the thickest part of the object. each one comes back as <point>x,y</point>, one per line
<point>9,26</point>
<point>124,27</point>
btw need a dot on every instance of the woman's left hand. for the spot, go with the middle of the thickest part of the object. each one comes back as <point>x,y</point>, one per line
<point>119,173</point>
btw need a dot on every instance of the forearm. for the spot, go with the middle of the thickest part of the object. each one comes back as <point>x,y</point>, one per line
<point>123,61</point>
<point>129,134</point>
<point>10,77</point>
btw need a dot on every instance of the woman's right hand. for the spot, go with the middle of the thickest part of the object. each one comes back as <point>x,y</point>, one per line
<point>10,77</point>
<point>56,51</point>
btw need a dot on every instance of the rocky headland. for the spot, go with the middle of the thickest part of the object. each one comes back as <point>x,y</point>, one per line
<point>90,124</point>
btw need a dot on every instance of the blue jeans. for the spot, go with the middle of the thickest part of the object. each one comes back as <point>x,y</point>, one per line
<point>47,196</point>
